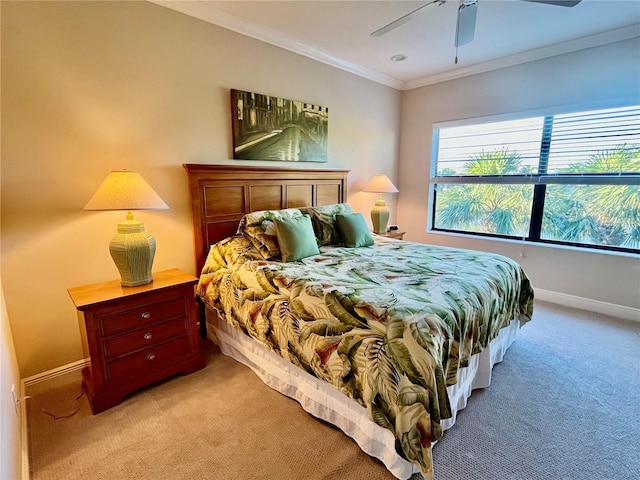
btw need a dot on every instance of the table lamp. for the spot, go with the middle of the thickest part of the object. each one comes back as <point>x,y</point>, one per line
<point>380,213</point>
<point>132,249</point>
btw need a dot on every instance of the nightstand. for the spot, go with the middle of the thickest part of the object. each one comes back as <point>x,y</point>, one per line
<point>392,234</point>
<point>136,336</point>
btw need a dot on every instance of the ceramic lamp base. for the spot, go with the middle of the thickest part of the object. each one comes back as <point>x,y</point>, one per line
<point>380,216</point>
<point>132,250</point>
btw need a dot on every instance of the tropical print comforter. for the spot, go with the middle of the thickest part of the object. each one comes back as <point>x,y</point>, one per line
<point>389,325</point>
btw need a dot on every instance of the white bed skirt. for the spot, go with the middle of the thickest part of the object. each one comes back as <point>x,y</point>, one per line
<point>326,402</point>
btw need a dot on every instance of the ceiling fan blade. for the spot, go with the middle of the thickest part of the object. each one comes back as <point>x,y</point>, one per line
<point>559,3</point>
<point>466,24</point>
<point>402,20</point>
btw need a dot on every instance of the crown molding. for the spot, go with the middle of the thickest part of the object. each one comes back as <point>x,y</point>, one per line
<point>206,11</point>
<point>604,38</point>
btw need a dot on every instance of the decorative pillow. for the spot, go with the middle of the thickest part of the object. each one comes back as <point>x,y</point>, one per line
<point>354,230</point>
<point>260,229</point>
<point>296,238</point>
<point>324,221</point>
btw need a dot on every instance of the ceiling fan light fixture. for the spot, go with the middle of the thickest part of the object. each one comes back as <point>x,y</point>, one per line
<point>398,58</point>
<point>466,22</point>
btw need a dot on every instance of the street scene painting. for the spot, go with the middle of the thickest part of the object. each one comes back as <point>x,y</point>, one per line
<point>273,128</point>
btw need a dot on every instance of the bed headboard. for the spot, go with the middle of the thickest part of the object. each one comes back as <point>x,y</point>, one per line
<point>222,194</point>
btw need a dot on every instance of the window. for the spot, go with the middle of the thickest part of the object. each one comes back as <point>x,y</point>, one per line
<point>571,179</point>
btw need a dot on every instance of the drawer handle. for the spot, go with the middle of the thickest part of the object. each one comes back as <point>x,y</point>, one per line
<point>151,356</point>
<point>146,315</point>
<point>148,336</point>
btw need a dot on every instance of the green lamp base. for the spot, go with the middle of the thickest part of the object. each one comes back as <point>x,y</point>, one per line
<point>380,216</point>
<point>132,250</point>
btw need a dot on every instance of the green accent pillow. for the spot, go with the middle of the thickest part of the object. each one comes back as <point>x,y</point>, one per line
<point>353,230</point>
<point>296,238</point>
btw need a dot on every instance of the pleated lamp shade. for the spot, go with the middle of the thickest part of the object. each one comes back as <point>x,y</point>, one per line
<point>132,249</point>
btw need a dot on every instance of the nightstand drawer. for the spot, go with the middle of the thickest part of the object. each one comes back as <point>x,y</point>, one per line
<point>144,337</point>
<point>139,317</point>
<point>147,361</point>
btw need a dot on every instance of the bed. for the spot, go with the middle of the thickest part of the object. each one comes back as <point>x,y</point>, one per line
<point>383,338</point>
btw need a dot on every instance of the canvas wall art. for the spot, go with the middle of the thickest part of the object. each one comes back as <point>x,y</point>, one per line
<point>273,128</point>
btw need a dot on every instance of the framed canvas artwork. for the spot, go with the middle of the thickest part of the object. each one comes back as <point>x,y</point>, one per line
<point>273,128</point>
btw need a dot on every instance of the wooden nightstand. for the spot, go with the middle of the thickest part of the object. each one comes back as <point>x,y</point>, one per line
<point>136,336</point>
<point>393,234</point>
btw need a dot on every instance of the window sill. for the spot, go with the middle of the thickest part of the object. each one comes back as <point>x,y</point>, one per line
<point>532,244</point>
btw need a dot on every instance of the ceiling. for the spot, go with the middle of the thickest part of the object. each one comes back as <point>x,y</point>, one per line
<point>508,32</point>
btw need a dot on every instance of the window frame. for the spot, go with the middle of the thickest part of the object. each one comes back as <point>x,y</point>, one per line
<point>540,180</point>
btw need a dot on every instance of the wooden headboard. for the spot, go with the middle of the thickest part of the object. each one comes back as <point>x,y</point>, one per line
<point>222,194</point>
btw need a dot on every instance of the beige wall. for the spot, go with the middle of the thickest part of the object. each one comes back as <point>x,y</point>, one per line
<point>10,433</point>
<point>599,74</point>
<point>89,87</point>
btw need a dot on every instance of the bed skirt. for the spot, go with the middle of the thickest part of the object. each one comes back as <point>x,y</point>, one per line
<point>322,400</point>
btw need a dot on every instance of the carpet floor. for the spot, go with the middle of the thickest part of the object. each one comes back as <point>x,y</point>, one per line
<point>564,404</point>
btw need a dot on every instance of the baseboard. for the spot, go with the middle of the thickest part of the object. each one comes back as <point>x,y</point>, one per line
<point>55,372</point>
<point>604,308</point>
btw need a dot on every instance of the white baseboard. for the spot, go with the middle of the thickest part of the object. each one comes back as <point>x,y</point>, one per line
<point>55,372</point>
<point>604,308</point>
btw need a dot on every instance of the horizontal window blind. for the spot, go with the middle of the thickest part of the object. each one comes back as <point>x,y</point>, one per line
<point>594,142</point>
<point>459,146</point>
<point>600,141</point>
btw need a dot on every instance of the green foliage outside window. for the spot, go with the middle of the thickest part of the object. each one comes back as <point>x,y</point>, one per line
<point>596,214</point>
<point>503,209</point>
<point>605,215</point>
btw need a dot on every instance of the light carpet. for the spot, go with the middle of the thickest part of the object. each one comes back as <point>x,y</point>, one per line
<point>564,404</point>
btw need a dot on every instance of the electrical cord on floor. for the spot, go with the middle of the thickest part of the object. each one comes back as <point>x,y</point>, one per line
<point>53,415</point>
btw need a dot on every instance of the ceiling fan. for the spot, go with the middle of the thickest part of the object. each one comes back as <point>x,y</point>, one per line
<point>466,18</point>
